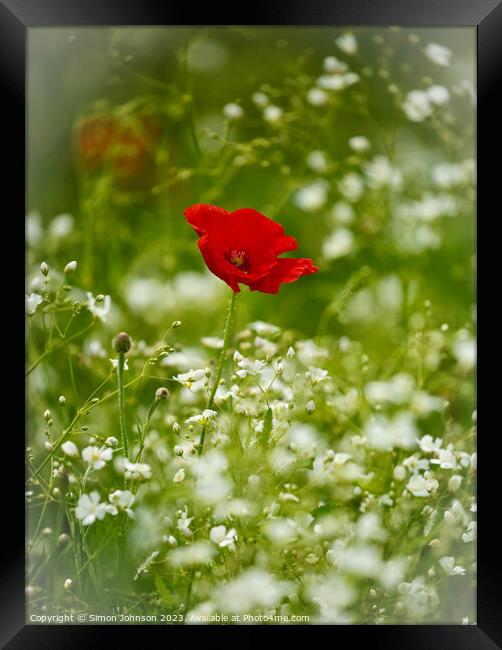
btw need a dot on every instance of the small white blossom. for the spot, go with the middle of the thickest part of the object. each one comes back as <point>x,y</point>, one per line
<point>347,43</point>
<point>31,303</point>
<point>99,309</point>
<point>115,364</point>
<point>448,564</point>
<point>272,114</point>
<point>121,501</point>
<point>183,523</point>
<point>438,54</point>
<point>422,487</point>
<point>70,449</point>
<point>222,538</point>
<point>233,111</point>
<point>202,418</point>
<point>359,143</point>
<point>89,508</point>
<point>316,375</point>
<point>317,97</point>
<point>97,457</point>
<point>179,476</point>
<point>311,197</point>
<point>190,377</point>
<point>137,470</point>
<point>260,99</point>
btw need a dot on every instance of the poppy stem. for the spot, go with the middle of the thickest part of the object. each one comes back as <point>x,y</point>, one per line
<point>221,360</point>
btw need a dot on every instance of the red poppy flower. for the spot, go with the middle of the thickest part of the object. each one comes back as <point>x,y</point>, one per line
<point>242,247</point>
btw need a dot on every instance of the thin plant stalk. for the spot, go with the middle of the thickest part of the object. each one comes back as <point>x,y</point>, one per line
<point>221,360</point>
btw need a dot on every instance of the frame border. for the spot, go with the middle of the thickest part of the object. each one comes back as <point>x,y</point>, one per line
<point>16,16</point>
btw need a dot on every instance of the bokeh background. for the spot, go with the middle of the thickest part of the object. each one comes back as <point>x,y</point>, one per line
<point>127,128</point>
<point>360,142</point>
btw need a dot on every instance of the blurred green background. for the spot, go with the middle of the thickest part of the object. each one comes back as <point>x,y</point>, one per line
<point>158,96</point>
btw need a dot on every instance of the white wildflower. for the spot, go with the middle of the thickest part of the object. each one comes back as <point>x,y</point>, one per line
<point>137,471</point>
<point>99,309</point>
<point>89,508</point>
<point>97,457</point>
<point>179,476</point>
<point>347,43</point>
<point>31,303</point>
<point>223,538</point>
<point>438,54</point>
<point>233,111</point>
<point>70,449</point>
<point>448,564</point>
<point>121,501</point>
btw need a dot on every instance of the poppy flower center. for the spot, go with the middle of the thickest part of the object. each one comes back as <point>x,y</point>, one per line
<point>239,258</point>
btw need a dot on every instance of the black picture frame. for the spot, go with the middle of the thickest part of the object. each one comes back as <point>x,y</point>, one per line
<point>16,17</point>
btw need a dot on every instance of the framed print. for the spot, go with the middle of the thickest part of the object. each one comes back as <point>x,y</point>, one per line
<point>250,329</point>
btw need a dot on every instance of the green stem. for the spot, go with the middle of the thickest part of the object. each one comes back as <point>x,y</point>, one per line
<point>120,394</point>
<point>221,360</point>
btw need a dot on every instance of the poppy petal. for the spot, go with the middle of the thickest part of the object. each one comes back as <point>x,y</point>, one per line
<point>286,270</point>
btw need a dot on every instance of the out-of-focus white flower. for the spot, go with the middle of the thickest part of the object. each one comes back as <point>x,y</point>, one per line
<point>137,471</point>
<point>351,187</point>
<point>422,487</point>
<point>317,161</point>
<point>260,99</point>
<point>99,309</point>
<point>359,143</point>
<point>470,535</point>
<point>223,538</point>
<point>212,342</point>
<point>454,483</point>
<point>316,375</point>
<point>121,501</point>
<point>31,303</point>
<point>347,43</point>
<point>145,566</point>
<point>398,431</point>
<point>96,350</point>
<point>192,554</point>
<point>381,173</point>
<point>253,588</point>
<point>70,449</point>
<point>464,349</point>
<point>233,111</point>
<point>179,476</point>
<point>338,244</point>
<point>272,114</point>
<point>438,54</point>
<point>332,64</point>
<point>429,444</point>
<point>438,95</point>
<point>246,366</point>
<point>311,197</point>
<point>448,564</point>
<point>61,226</point>
<point>417,106</point>
<point>115,364</point>
<point>183,522</point>
<point>317,97</point>
<point>89,508</point>
<point>190,377</point>
<point>203,418</point>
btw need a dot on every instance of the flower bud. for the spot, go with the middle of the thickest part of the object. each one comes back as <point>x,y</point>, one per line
<point>68,583</point>
<point>161,393</point>
<point>44,269</point>
<point>70,267</point>
<point>175,324</point>
<point>122,342</point>
<point>64,538</point>
<point>176,428</point>
<point>48,445</point>
<point>454,483</point>
<point>111,441</point>
<point>47,415</point>
<point>62,400</point>
<point>310,407</point>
